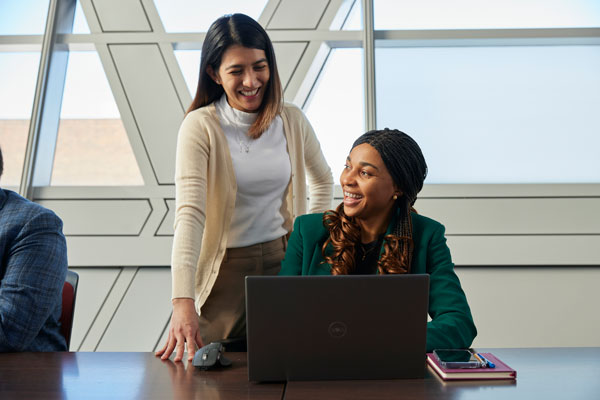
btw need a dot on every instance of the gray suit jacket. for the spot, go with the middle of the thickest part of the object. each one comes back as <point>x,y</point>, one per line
<point>33,266</point>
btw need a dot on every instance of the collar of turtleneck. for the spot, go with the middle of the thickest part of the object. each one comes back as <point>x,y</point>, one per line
<point>234,117</point>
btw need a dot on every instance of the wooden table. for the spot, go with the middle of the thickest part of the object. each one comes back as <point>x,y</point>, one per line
<point>542,373</point>
<point>110,376</point>
<point>553,373</point>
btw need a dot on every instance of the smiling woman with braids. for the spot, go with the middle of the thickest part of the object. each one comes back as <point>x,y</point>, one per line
<point>377,230</point>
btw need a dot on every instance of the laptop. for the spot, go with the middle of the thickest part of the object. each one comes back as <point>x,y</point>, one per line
<point>336,327</point>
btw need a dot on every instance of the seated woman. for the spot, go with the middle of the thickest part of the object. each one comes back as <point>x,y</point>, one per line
<point>377,230</point>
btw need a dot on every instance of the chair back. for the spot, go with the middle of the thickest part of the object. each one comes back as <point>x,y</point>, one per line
<point>68,305</point>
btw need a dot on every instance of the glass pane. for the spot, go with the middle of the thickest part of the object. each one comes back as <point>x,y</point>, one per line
<point>189,62</point>
<point>352,20</point>
<point>477,14</point>
<point>23,17</point>
<point>80,24</point>
<point>92,146</point>
<point>197,15</point>
<point>335,107</point>
<point>18,73</point>
<point>496,114</point>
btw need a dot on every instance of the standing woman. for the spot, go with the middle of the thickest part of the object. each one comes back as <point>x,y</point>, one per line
<point>243,159</point>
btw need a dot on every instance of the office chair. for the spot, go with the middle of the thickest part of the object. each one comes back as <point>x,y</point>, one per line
<point>68,305</point>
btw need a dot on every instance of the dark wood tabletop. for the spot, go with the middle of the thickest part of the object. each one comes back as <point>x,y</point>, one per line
<point>87,375</point>
<point>542,373</point>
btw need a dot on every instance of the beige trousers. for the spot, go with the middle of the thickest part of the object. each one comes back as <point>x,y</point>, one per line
<point>223,315</point>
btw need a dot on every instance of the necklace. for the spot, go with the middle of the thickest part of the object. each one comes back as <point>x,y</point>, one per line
<point>244,146</point>
<point>368,248</point>
<point>366,252</point>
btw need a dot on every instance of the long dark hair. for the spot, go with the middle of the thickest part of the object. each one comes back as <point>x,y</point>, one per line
<point>238,29</point>
<point>404,161</point>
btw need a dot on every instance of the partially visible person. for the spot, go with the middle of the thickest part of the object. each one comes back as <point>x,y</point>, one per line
<point>376,230</point>
<point>244,159</point>
<point>33,267</point>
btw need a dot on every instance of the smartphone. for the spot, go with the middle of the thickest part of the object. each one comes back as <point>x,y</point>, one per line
<point>456,358</point>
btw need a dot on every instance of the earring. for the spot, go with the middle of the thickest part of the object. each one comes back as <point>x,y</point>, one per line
<point>395,197</point>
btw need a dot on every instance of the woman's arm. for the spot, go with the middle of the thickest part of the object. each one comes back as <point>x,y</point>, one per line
<point>190,216</point>
<point>191,171</point>
<point>452,325</point>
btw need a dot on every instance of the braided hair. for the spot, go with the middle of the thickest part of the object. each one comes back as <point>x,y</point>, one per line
<point>406,165</point>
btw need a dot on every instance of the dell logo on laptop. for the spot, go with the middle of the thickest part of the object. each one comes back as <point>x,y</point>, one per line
<point>337,329</point>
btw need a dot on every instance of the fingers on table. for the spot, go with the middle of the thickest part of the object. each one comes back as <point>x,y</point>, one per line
<point>162,351</point>
<point>171,343</point>
<point>180,346</point>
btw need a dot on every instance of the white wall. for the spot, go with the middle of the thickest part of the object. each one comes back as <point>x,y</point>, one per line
<point>128,309</point>
<point>534,306</point>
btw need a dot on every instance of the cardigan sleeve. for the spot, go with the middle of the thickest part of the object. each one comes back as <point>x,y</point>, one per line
<point>191,170</point>
<point>320,179</point>
<point>451,324</point>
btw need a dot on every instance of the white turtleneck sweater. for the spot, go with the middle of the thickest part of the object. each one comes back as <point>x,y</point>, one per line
<point>262,171</point>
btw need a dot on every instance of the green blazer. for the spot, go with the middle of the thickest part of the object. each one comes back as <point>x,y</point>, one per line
<point>451,324</point>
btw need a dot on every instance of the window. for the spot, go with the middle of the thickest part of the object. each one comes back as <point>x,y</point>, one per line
<point>80,24</point>
<point>353,20</point>
<point>506,114</point>
<point>18,73</point>
<point>92,146</point>
<point>196,16</point>
<point>23,17</point>
<point>189,62</point>
<point>489,14</point>
<point>335,107</point>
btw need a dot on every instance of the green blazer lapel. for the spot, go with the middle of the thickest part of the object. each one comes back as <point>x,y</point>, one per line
<point>322,267</point>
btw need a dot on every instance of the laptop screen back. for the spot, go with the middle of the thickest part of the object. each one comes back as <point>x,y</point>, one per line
<point>336,327</point>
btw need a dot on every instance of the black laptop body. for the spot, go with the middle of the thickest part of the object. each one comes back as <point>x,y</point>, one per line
<point>336,327</point>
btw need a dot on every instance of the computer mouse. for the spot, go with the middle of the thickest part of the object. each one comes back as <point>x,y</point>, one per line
<point>211,356</point>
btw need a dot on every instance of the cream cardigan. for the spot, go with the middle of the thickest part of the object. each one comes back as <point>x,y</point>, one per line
<point>206,190</point>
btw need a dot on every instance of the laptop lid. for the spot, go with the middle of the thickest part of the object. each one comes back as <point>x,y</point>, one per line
<point>336,327</point>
